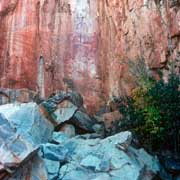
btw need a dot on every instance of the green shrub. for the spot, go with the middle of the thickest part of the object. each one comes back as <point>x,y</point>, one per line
<point>153,113</point>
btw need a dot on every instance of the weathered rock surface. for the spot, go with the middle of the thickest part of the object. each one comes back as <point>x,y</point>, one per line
<point>46,45</point>
<point>22,130</point>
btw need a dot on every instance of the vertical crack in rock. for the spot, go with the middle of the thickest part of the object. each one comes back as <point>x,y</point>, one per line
<point>41,79</point>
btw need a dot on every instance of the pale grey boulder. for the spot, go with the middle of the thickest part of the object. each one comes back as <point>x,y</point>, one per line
<point>67,108</point>
<point>22,130</point>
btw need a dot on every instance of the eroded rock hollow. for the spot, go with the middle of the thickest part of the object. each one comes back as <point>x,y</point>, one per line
<point>47,45</point>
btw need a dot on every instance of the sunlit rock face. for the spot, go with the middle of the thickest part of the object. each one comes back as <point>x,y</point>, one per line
<point>132,29</point>
<point>46,45</point>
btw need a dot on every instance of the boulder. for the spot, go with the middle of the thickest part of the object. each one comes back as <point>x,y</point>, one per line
<point>65,108</point>
<point>22,130</point>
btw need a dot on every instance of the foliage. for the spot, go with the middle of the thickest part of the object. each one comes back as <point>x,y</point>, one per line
<point>153,113</point>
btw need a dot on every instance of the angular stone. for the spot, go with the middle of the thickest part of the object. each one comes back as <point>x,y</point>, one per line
<point>52,103</point>
<point>60,109</point>
<point>64,112</point>
<point>117,162</point>
<point>54,152</point>
<point>76,98</point>
<point>76,175</point>
<point>104,166</point>
<point>22,130</point>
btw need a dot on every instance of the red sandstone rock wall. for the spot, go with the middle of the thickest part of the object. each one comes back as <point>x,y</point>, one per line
<point>130,29</point>
<point>83,42</point>
<point>64,33</point>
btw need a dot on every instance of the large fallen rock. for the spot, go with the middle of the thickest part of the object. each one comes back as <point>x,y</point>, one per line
<point>95,159</point>
<point>22,130</point>
<point>65,108</point>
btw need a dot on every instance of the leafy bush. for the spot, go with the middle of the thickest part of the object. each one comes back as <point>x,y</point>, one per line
<point>153,113</point>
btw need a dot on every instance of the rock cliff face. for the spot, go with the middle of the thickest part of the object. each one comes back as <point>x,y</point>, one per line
<point>132,29</point>
<point>46,45</point>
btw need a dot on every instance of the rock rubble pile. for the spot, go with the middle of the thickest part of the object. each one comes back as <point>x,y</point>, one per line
<point>58,140</point>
